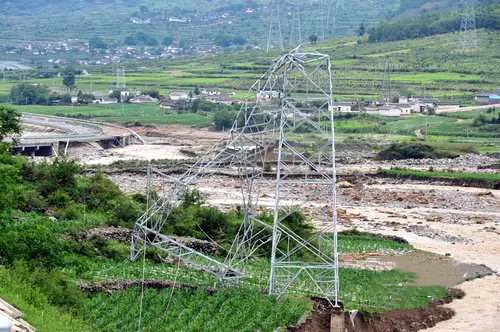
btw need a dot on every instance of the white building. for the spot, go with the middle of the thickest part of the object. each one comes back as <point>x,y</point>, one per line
<point>179,95</point>
<point>267,97</point>
<point>342,107</point>
<point>143,99</point>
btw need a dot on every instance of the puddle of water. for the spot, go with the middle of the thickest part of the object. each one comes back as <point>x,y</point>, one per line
<point>436,270</point>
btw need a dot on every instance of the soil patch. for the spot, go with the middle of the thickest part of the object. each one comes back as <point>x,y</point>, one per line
<point>121,234</point>
<point>115,286</point>
<point>326,318</point>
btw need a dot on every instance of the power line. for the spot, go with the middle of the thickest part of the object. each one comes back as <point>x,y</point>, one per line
<point>468,33</point>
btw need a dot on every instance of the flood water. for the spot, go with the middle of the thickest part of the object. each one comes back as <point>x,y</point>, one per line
<point>436,270</point>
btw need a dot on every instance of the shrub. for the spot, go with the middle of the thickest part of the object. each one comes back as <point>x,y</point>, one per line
<point>70,211</point>
<point>60,175</point>
<point>223,119</point>
<point>124,212</point>
<point>59,198</point>
<point>57,288</point>
<point>98,192</point>
<point>398,151</point>
<point>32,239</point>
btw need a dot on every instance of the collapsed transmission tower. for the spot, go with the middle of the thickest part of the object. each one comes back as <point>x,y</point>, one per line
<point>281,149</point>
<point>468,33</point>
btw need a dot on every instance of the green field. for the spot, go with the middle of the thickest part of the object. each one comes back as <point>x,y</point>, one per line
<point>123,113</point>
<point>430,67</point>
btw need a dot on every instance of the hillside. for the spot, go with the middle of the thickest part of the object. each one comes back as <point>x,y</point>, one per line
<point>487,17</point>
<point>195,22</point>
<point>431,66</point>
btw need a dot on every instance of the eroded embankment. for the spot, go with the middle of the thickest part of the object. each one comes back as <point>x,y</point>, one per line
<point>326,318</point>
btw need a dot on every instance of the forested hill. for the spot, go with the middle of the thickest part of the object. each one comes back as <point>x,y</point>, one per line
<point>487,17</point>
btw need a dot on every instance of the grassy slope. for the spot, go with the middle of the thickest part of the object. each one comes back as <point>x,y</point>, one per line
<point>36,308</point>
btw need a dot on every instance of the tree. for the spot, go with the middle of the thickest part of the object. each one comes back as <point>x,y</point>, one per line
<point>69,79</point>
<point>223,120</point>
<point>229,40</point>
<point>313,39</point>
<point>153,93</point>
<point>167,41</point>
<point>362,29</point>
<point>141,39</point>
<point>85,98</point>
<point>29,94</point>
<point>10,122</point>
<point>97,43</point>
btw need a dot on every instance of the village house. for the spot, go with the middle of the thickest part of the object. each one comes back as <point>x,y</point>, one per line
<point>487,98</point>
<point>343,107</point>
<point>178,95</point>
<point>143,99</point>
<point>267,97</point>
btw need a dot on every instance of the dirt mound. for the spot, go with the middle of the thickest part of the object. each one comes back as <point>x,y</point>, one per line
<point>125,235</point>
<point>120,285</point>
<point>326,318</point>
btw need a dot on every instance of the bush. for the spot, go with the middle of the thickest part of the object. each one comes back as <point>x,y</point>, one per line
<point>98,192</point>
<point>399,151</point>
<point>59,198</point>
<point>70,211</point>
<point>57,288</point>
<point>28,94</point>
<point>32,239</point>
<point>223,120</point>
<point>60,175</point>
<point>124,212</point>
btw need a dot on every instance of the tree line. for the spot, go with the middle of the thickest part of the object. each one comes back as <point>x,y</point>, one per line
<point>433,24</point>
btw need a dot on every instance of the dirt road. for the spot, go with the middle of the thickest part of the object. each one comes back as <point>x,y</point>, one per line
<point>466,109</point>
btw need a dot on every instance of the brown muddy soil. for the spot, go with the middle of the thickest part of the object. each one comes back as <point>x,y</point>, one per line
<point>437,270</point>
<point>120,285</point>
<point>325,318</point>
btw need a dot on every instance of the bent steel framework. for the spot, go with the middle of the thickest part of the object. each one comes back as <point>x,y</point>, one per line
<point>283,142</point>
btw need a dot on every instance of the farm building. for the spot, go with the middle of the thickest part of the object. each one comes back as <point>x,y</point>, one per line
<point>342,107</point>
<point>394,111</point>
<point>179,95</point>
<point>143,99</point>
<point>487,98</point>
<point>267,97</point>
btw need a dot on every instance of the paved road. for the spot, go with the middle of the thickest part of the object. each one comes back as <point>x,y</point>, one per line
<point>44,129</point>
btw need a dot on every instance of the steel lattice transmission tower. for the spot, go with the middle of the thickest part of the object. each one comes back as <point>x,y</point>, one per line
<point>468,33</point>
<point>281,149</point>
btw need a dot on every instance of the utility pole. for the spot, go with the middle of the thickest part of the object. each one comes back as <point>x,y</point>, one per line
<point>386,82</point>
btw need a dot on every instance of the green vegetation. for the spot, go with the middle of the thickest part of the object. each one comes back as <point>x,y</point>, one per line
<point>489,180</point>
<point>124,113</point>
<point>357,242</point>
<point>10,122</point>
<point>27,94</point>
<point>164,310</point>
<point>374,292</point>
<point>113,21</point>
<point>487,17</point>
<point>46,207</point>
<point>398,151</point>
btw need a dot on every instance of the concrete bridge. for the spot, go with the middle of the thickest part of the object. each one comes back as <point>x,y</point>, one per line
<point>45,135</point>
